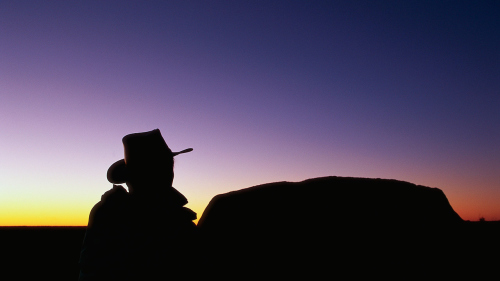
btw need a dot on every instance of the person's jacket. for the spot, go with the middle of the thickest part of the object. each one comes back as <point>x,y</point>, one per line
<point>132,237</point>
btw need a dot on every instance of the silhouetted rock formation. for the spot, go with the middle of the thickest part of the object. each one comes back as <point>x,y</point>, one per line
<point>333,199</point>
<point>305,228</point>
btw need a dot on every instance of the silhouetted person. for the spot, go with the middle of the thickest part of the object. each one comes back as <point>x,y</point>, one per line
<point>146,233</point>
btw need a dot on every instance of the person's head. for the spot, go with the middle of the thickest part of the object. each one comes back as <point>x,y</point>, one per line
<point>148,162</point>
<point>156,173</point>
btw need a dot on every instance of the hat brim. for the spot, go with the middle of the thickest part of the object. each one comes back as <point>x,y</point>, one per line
<point>117,172</point>
<point>183,151</point>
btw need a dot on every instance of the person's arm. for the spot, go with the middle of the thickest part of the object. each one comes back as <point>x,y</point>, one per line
<point>102,254</point>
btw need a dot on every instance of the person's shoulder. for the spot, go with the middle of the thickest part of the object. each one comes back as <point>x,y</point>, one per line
<point>112,201</point>
<point>118,192</point>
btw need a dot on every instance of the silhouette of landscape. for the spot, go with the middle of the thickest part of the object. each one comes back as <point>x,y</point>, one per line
<point>249,91</point>
<point>322,227</point>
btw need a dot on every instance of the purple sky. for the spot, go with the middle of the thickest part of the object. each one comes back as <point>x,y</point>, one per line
<point>262,90</point>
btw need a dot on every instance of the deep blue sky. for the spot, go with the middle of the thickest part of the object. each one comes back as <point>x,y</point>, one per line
<point>262,90</point>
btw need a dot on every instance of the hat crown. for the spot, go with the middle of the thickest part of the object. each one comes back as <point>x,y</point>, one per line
<point>146,147</point>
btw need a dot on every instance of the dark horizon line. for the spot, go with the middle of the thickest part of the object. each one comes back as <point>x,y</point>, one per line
<point>77,226</point>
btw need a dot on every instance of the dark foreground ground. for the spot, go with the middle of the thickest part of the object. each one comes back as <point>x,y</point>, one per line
<point>52,253</point>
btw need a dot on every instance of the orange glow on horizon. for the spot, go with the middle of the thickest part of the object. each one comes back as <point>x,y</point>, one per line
<point>54,213</point>
<point>29,216</point>
<point>54,217</point>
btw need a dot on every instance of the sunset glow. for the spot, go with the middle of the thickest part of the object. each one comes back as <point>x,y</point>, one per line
<point>263,91</point>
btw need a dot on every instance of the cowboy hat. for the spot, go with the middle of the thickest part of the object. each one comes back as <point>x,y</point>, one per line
<point>141,149</point>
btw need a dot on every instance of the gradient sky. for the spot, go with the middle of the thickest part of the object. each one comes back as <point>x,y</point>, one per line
<point>263,91</point>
